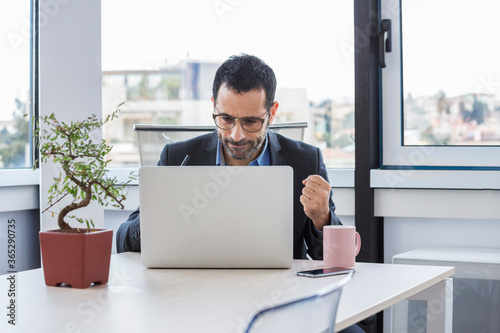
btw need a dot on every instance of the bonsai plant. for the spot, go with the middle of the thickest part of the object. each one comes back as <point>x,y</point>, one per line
<point>82,178</point>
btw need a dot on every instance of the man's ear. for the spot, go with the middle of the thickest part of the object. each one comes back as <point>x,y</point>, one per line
<point>272,112</point>
<point>213,101</point>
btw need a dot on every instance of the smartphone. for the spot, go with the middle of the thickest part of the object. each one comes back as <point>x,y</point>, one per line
<point>326,271</point>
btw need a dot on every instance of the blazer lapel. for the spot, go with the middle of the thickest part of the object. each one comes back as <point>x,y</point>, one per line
<point>209,150</point>
<point>277,157</point>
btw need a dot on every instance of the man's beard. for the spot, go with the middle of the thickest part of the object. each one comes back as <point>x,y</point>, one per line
<point>245,153</point>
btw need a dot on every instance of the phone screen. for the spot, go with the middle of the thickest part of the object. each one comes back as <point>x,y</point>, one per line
<point>326,271</point>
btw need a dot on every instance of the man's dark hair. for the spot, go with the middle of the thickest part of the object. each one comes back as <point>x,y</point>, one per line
<point>243,73</point>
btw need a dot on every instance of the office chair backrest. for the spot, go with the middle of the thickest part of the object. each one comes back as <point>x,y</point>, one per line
<point>312,314</point>
<point>152,138</point>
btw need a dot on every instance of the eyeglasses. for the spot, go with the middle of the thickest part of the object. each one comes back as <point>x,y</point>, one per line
<point>249,124</point>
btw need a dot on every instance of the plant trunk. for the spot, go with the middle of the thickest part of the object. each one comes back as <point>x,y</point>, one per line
<point>63,225</point>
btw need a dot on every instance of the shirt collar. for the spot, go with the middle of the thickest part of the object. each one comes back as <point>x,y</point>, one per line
<point>262,160</point>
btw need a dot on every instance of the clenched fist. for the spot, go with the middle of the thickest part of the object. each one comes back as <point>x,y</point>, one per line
<point>315,197</point>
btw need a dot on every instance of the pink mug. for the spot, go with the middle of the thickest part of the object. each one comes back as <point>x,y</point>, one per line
<point>341,245</point>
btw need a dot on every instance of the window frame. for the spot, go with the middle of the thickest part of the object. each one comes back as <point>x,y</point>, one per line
<point>34,63</point>
<point>393,154</point>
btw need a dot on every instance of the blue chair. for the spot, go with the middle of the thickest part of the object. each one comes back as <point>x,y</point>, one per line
<point>312,314</point>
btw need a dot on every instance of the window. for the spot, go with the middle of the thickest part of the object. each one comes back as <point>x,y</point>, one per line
<point>15,27</point>
<point>161,57</point>
<point>441,103</point>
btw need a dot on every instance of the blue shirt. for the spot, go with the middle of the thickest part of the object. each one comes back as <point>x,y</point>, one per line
<point>264,159</point>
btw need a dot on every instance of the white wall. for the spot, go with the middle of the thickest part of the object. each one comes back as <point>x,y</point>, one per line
<point>70,78</point>
<point>405,234</point>
<point>437,208</point>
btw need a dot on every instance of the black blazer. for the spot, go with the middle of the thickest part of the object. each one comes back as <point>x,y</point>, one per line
<point>303,158</point>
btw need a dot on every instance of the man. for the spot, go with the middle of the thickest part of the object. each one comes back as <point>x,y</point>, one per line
<point>244,107</point>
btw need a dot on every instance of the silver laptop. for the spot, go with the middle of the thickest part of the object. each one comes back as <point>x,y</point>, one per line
<point>216,216</point>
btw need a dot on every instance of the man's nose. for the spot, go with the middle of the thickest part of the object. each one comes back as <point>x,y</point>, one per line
<point>237,132</point>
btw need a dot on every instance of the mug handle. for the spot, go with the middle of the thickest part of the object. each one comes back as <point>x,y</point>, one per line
<point>358,243</point>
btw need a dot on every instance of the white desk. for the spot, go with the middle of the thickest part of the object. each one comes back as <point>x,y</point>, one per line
<point>190,300</point>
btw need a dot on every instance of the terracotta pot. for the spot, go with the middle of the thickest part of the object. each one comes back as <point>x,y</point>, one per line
<point>77,259</point>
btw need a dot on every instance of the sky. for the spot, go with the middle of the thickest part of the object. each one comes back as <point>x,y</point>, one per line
<point>458,53</point>
<point>303,41</point>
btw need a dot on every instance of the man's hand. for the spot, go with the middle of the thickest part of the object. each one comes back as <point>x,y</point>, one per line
<point>314,198</point>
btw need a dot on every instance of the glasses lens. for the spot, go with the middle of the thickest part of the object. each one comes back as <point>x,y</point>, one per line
<point>224,122</point>
<point>251,124</point>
